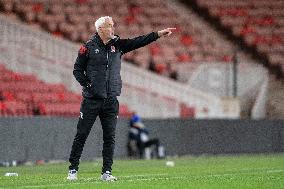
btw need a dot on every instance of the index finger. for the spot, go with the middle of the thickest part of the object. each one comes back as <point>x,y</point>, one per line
<point>171,28</point>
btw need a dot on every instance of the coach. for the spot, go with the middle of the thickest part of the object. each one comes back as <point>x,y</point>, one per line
<point>97,69</point>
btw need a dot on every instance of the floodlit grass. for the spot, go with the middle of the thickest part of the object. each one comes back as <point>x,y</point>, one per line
<point>217,172</point>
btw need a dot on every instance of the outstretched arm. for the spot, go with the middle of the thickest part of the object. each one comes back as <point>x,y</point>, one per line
<point>127,45</point>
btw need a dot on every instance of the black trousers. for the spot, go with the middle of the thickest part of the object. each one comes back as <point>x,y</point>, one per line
<point>143,145</point>
<point>107,110</point>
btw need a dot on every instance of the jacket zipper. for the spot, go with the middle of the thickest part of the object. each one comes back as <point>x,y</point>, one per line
<point>107,72</point>
<point>107,59</point>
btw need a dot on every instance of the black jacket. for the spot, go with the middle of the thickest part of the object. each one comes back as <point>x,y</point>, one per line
<point>97,67</point>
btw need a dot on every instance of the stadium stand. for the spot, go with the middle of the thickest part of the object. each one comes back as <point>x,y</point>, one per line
<point>194,42</point>
<point>52,59</point>
<point>257,27</point>
<point>73,20</point>
<point>258,23</point>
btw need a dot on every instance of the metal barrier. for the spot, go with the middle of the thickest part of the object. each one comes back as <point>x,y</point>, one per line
<point>259,107</point>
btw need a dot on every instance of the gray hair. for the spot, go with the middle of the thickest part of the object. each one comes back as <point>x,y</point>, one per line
<point>101,21</point>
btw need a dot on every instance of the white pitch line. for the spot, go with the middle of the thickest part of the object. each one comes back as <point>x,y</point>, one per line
<point>261,169</point>
<point>129,176</point>
<point>274,171</point>
<point>157,178</point>
<point>98,181</point>
<point>143,175</point>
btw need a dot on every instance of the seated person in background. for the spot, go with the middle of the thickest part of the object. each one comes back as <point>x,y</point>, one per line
<point>138,137</point>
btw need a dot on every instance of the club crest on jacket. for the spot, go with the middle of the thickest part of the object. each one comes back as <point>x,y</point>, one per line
<point>112,48</point>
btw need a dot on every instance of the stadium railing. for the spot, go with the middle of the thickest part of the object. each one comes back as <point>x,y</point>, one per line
<point>259,107</point>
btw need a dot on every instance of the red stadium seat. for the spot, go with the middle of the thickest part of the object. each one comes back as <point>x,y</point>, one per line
<point>14,108</point>
<point>124,111</point>
<point>186,111</point>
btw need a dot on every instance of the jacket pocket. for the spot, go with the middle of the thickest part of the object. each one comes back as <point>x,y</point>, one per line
<point>87,92</point>
<point>116,86</point>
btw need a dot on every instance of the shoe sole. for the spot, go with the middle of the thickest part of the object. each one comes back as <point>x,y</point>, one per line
<point>72,179</point>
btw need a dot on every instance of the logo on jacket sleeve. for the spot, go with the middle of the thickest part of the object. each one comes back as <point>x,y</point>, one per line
<point>112,48</point>
<point>83,50</point>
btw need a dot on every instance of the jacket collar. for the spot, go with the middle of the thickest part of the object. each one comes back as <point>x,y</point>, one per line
<point>98,40</point>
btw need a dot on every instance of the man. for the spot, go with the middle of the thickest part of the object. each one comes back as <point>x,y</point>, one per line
<point>97,69</point>
<point>138,136</point>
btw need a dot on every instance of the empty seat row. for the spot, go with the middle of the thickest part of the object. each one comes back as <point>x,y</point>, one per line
<point>25,95</point>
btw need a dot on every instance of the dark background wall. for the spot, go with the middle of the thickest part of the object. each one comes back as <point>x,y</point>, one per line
<point>51,138</point>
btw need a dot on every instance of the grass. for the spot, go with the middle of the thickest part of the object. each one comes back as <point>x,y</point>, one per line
<point>217,172</point>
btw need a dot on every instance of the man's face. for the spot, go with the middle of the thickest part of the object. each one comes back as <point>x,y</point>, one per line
<point>107,29</point>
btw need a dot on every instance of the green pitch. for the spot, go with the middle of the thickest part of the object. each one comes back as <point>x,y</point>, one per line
<point>217,172</point>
